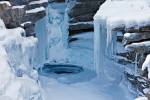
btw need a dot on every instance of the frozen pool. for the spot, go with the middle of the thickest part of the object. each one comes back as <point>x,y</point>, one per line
<point>66,73</point>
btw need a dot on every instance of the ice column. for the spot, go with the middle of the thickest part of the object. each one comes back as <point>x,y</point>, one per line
<point>104,44</point>
<point>111,43</point>
<point>99,45</point>
<point>57,30</point>
<point>41,34</point>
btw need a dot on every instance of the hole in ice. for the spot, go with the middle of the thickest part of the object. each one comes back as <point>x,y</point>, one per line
<point>62,69</point>
<point>67,73</point>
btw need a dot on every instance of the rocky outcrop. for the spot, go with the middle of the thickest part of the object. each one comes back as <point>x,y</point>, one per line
<point>137,44</point>
<point>81,14</point>
<point>23,13</point>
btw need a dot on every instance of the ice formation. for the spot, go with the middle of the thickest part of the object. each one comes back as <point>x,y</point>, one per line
<point>116,14</point>
<point>16,59</point>
<point>41,34</point>
<point>57,31</point>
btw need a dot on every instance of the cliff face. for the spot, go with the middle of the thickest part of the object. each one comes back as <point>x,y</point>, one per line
<point>25,13</point>
<point>81,14</point>
<point>22,13</point>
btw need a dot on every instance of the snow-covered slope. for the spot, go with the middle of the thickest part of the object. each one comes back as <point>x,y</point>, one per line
<point>18,80</point>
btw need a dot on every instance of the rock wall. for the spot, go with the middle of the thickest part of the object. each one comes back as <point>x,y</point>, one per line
<point>81,14</point>
<point>22,13</point>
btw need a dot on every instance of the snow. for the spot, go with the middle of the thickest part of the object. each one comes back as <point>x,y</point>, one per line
<point>138,46</point>
<point>125,12</point>
<point>15,79</point>
<point>146,64</point>
<point>146,90</point>
<point>2,25</point>
<point>134,37</point>
<point>116,14</point>
<point>129,37</point>
<point>142,98</point>
<point>89,22</point>
<point>28,22</point>
<point>19,7</point>
<point>38,2</point>
<point>36,10</point>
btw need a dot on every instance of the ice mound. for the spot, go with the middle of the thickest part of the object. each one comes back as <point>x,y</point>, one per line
<point>18,79</point>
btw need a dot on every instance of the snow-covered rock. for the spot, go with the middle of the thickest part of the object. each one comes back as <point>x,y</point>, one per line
<point>4,5</point>
<point>17,78</point>
<point>22,11</point>
<point>140,47</point>
<point>130,17</point>
<point>134,37</point>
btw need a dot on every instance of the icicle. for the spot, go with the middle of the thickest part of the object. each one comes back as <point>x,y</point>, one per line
<point>136,65</point>
<point>41,34</point>
<point>99,46</point>
<point>111,43</point>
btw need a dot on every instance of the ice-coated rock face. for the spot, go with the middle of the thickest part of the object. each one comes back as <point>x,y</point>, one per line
<point>18,79</point>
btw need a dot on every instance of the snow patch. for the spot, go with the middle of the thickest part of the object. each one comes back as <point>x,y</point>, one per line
<point>38,2</point>
<point>18,7</point>
<point>36,10</point>
<point>141,98</point>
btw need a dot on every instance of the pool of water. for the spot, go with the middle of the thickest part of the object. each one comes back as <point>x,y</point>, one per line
<point>66,73</point>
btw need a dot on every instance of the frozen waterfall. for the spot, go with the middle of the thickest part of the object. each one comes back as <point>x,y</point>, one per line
<point>104,39</point>
<point>52,33</point>
<point>104,44</point>
<point>99,45</point>
<point>57,34</point>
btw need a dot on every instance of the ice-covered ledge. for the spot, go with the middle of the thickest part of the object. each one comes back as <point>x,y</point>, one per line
<point>113,16</point>
<point>18,79</point>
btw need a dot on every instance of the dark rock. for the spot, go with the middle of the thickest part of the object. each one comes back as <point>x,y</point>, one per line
<point>82,11</point>
<point>13,17</point>
<point>80,26</point>
<point>17,14</point>
<point>140,83</point>
<point>4,7</point>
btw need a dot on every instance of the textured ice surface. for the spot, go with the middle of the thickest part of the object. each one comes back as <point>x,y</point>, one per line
<point>17,81</point>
